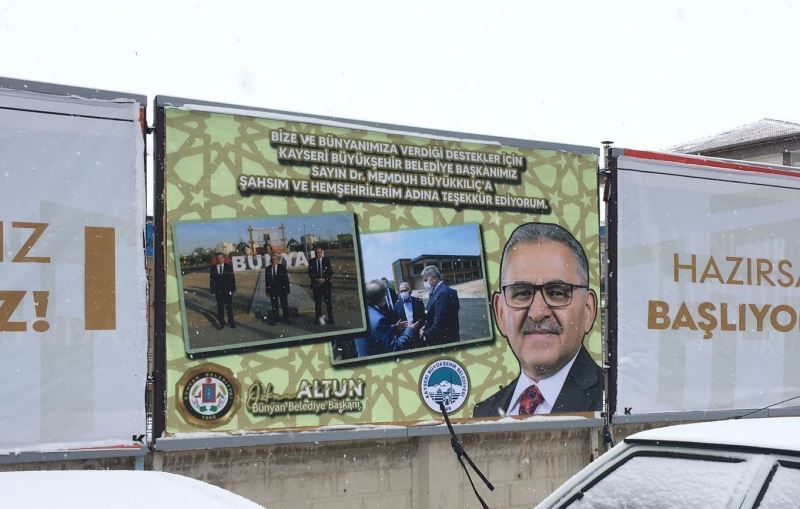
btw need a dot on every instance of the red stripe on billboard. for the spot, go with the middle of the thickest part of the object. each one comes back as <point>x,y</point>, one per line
<point>143,119</point>
<point>714,163</point>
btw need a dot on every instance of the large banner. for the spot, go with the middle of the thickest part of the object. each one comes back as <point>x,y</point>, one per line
<point>708,284</point>
<point>73,325</point>
<point>322,272</point>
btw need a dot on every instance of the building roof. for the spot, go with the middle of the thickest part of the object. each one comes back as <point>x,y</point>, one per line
<point>763,130</point>
<point>428,256</point>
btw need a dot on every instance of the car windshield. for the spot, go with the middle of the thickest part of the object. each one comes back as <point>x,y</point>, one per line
<point>670,481</point>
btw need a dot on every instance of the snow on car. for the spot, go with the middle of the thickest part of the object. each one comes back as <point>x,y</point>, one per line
<point>735,463</point>
<point>118,489</point>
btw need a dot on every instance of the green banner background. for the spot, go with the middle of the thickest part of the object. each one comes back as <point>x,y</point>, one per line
<point>206,153</point>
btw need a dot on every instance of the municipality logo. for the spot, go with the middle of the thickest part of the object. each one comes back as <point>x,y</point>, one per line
<point>444,381</point>
<point>209,395</point>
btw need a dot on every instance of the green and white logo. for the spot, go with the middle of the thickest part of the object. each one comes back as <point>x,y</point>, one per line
<point>444,381</point>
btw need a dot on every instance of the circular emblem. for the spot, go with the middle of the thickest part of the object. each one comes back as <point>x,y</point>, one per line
<point>444,381</point>
<point>208,395</point>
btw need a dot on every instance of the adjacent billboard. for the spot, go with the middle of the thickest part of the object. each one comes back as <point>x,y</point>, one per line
<point>322,271</point>
<point>708,284</point>
<point>73,324</point>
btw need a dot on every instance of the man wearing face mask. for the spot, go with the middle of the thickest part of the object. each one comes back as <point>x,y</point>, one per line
<point>409,309</point>
<point>441,313</point>
<point>385,336</point>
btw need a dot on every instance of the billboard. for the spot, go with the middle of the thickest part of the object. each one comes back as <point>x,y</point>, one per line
<point>707,284</point>
<point>323,271</point>
<point>73,326</point>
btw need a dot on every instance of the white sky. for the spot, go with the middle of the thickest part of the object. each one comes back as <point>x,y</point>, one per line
<point>645,74</point>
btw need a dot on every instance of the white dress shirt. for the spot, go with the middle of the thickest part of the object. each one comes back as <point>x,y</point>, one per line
<point>550,388</point>
<point>409,310</point>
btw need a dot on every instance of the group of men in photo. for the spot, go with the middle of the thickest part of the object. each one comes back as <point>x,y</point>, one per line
<point>403,322</point>
<point>277,286</point>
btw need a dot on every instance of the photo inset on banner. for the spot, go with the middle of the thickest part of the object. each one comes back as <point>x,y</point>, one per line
<point>249,283</point>
<point>423,289</point>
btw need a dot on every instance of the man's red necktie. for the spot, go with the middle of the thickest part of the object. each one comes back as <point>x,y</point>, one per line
<point>529,400</point>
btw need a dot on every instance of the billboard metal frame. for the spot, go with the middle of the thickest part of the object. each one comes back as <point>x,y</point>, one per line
<point>159,277</point>
<point>160,104</point>
<point>368,432</point>
<point>163,102</point>
<point>77,454</point>
<point>40,87</point>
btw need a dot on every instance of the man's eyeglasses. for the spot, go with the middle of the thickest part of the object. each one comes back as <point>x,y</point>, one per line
<point>556,295</point>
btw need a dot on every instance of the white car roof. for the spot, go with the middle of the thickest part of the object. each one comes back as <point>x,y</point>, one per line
<point>118,489</point>
<point>779,433</point>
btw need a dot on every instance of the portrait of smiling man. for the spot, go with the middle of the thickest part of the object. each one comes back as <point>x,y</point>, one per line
<point>545,308</point>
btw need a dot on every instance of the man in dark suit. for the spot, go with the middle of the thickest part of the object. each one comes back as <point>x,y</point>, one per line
<point>276,283</point>
<point>320,273</point>
<point>409,309</point>
<point>384,336</point>
<point>544,309</point>
<point>223,286</point>
<point>441,313</point>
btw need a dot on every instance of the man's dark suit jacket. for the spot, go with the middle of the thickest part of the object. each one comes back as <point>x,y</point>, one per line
<point>314,273</point>
<point>225,284</point>
<point>441,316</point>
<point>382,338</point>
<point>279,285</point>
<point>389,308</point>
<point>582,391</point>
<point>417,306</point>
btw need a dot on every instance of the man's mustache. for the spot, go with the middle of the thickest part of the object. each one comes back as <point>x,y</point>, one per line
<point>546,325</point>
